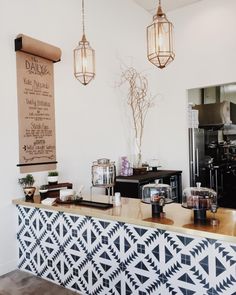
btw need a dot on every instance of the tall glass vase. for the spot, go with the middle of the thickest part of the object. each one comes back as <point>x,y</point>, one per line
<point>137,161</point>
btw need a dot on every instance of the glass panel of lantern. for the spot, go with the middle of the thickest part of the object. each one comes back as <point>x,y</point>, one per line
<point>84,65</point>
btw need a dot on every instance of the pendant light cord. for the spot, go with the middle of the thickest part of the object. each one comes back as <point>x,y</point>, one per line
<point>83,17</point>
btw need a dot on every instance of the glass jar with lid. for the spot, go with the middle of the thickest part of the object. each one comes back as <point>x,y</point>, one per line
<point>157,194</point>
<point>200,199</point>
<point>103,173</point>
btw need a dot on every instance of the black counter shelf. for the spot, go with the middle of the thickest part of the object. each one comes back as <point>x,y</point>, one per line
<point>131,186</point>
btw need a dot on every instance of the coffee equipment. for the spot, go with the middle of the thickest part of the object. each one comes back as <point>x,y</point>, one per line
<point>199,199</point>
<point>157,194</point>
<point>212,134</point>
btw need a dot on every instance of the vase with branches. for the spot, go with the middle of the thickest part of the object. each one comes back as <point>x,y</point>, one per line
<point>140,101</point>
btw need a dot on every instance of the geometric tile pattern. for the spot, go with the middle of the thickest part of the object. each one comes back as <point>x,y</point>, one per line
<point>94,256</point>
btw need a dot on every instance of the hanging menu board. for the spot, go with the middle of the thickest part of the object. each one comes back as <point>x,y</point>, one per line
<point>36,113</point>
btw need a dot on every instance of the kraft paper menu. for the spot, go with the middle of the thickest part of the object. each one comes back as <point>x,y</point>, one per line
<point>36,110</point>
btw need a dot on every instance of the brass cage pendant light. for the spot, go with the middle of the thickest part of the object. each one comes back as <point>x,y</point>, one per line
<point>84,58</point>
<point>160,50</point>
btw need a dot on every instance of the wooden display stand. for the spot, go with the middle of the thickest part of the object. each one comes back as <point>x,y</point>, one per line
<point>54,189</point>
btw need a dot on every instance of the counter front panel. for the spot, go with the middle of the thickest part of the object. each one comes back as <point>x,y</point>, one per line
<point>94,255</point>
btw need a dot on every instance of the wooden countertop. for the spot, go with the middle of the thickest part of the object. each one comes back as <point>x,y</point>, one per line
<point>133,211</point>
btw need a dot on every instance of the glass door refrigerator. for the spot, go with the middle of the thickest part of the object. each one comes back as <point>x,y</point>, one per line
<point>196,157</point>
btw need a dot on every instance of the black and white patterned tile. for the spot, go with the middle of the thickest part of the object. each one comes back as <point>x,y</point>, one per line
<point>106,252</point>
<point>75,235</point>
<point>27,239</point>
<point>94,256</point>
<point>50,241</point>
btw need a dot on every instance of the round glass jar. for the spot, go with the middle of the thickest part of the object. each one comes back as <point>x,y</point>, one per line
<point>103,173</point>
<point>157,193</point>
<point>199,198</point>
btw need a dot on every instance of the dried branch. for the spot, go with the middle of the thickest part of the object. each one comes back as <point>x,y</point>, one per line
<point>139,102</point>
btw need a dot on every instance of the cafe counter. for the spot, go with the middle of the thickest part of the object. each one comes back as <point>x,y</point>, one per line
<point>123,250</point>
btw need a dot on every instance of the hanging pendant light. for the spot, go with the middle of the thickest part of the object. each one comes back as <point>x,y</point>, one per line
<point>160,40</point>
<point>84,58</point>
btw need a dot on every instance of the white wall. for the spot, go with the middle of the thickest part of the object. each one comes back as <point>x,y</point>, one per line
<point>88,119</point>
<point>205,56</point>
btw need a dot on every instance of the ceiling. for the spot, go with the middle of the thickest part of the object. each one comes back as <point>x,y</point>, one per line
<point>167,5</point>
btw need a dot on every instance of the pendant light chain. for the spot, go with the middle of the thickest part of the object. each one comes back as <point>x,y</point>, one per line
<point>84,57</point>
<point>83,26</point>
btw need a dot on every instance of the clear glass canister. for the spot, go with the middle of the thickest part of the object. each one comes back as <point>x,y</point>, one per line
<point>157,193</point>
<point>199,198</point>
<point>103,173</point>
